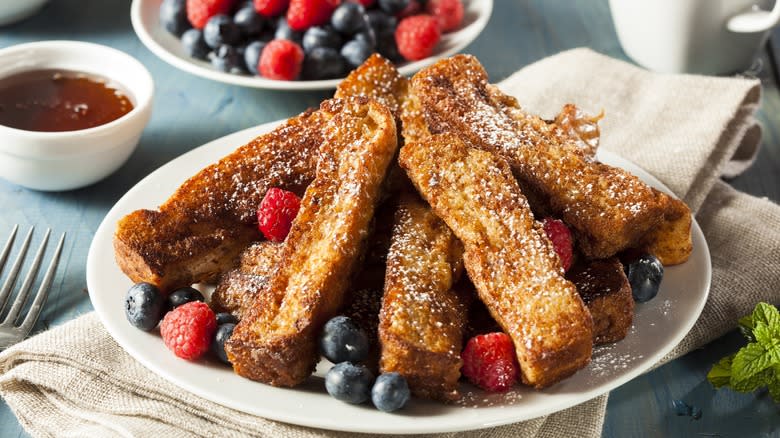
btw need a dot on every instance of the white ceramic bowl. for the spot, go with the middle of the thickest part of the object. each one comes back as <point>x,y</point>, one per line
<point>12,11</point>
<point>73,159</point>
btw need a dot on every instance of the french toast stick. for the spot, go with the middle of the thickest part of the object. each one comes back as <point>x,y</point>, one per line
<point>423,317</point>
<point>604,288</point>
<point>201,229</point>
<point>608,209</point>
<point>276,343</point>
<point>507,255</point>
<point>237,288</point>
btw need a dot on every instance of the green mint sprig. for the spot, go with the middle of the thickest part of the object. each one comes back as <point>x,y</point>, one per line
<point>757,364</point>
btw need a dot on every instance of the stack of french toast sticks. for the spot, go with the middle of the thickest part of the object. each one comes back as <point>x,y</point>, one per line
<point>421,207</point>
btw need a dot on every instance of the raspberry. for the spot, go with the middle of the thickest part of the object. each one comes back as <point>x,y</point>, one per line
<point>449,13</point>
<point>303,14</point>
<point>276,213</point>
<point>199,11</point>
<point>281,60</point>
<point>417,36</point>
<point>489,361</point>
<point>187,330</point>
<point>271,8</point>
<point>561,238</point>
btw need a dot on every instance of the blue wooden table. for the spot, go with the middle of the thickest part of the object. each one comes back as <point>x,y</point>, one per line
<point>190,111</point>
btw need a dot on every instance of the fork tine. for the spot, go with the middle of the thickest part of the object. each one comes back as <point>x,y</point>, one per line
<point>11,280</point>
<point>43,290</point>
<point>7,248</point>
<point>21,296</point>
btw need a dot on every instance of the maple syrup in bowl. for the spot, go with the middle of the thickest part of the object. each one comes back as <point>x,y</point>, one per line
<point>71,113</point>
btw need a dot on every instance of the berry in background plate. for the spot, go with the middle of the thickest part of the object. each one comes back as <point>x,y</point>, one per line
<point>144,306</point>
<point>303,14</point>
<point>367,37</point>
<point>349,382</point>
<point>323,63</point>
<point>188,329</point>
<point>220,30</point>
<point>348,18</point>
<point>183,296</point>
<point>390,392</point>
<point>645,274</point>
<point>271,8</point>
<point>200,11</point>
<point>393,7</point>
<point>321,36</point>
<point>355,52</point>
<point>220,337</point>
<point>227,59</point>
<point>279,207</point>
<point>194,45</point>
<point>387,47</point>
<point>380,21</point>
<point>285,32</point>
<point>489,361</point>
<point>413,8</point>
<point>249,22</point>
<point>449,13</point>
<point>173,16</point>
<point>560,236</point>
<point>343,341</point>
<point>417,36</point>
<point>252,54</point>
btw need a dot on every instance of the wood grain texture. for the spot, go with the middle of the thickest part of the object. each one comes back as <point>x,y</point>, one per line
<point>190,111</point>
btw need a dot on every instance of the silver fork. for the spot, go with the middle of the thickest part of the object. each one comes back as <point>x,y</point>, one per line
<point>10,332</point>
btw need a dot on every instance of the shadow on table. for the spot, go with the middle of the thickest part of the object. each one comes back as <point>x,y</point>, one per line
<point>74,19</point>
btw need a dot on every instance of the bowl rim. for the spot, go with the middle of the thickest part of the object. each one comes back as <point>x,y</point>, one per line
<point>143,99</point>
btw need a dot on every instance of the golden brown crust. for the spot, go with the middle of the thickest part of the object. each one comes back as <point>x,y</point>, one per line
<point>608,208</point>
<point>200,230</point>
<point>422,319</point>
<point>507,255</point>
<point>377,79</point>
<point>276,342</point>
<point>604,288</point>
<point>671,240</point>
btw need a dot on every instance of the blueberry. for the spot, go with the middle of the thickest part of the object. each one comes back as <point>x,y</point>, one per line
<point>367,37</point>
<point>381,22</point>
<point>249,22</point>
<point>226,58</point>
<point>342,340</point>
<point>387,47</point>
<point>285,32</point>
<point>252,54</point>
<point>224,318</point>
<point>349,382</point>
<point>183,296</point>
<point>355,52</point>
<point>173,16</point>
<point>220,337</point>
<point>348,18</point>
<point>323,63</point>
<point>144,306</point>
<point>393,7</point>
<point>645,275</point>
<point>219,30</point>
<point>390,392</point>
<point>318,36</point>
<point>194,45</point>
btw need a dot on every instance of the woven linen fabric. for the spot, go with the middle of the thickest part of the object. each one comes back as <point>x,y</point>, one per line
<point>75,380</point>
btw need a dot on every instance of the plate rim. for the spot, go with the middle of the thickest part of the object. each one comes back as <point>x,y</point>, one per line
<point>336,425</point>
<point>471,33</point>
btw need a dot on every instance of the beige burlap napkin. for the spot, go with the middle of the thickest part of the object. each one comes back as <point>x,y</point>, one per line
<point>75,380</point>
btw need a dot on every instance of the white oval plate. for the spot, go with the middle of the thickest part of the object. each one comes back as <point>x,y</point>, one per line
<point>144,15</point>
<point>659,325</point>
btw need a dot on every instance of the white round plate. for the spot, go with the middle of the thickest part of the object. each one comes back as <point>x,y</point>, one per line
<point>659,325</point>
<point>144,15</point>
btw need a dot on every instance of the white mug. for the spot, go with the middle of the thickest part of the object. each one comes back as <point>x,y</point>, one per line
<point>693,36</point>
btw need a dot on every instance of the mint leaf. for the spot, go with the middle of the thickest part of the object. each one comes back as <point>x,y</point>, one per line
<point>749,361</point>
<point>768,314</point>
<point>769,339</point>
<point>720,374</point>
<point>746,327</point>
<point>753,382</point>
<point>774,384</point>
